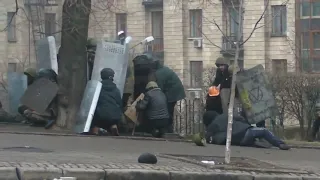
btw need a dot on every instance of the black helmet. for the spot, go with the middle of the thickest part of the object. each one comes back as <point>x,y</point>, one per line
<point>47,73</point>
<point>107,73</point>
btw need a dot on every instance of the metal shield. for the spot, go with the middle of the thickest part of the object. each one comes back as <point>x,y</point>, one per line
<point>88,106</point>
<point>17,84</point>
<point>114,56</point>
<point>256,94</point>
<point>39,95</point>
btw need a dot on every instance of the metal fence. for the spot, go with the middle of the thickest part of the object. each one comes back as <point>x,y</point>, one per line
<point>188,117</point>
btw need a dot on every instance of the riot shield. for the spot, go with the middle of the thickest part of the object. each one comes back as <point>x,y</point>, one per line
<point>17,84</point>
<point>39,95</point>
<point>114,56</point>
<point>47,54</point>
<point>256,94</point>
<point>87,107</point>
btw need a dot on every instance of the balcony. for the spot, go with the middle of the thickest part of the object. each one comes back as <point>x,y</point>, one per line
<point>229,48</point>
<point>152,3</point>
<point>156,47</point>
<point>40,2</point>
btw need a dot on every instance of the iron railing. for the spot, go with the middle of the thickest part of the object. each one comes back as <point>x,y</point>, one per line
<point>188,119</point>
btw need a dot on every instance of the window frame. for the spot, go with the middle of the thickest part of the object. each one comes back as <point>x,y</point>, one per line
<point>310,50</point>
<point>119,17</point>
<point>195,80</point>
<point>51,22</point>
<point>11,27</point>
<point>283,62</point>
<point>311,10</point>
<point>15,69</point>
<point>157,44</point>
<point>195,14</point>
<point>283,17</point>
<point>232,20</point>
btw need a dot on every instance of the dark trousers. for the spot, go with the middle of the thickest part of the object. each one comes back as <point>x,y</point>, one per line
<point>171,106</point>
<point>104,123</point>
<point>315,128</point>
<point>150,125</point>
<point>261,124</point>
<point>262,133</point>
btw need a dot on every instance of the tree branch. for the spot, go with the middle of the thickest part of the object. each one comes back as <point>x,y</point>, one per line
<point>255,26</point>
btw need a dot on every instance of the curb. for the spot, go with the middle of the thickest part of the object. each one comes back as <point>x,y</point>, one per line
<point>225,167</point>
<point>12,173</point>
<point>132,138</point>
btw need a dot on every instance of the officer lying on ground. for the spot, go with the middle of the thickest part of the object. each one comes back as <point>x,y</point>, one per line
<point>243,134</point>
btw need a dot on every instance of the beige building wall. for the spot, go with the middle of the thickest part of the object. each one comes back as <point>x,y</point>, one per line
<point>178,46</point>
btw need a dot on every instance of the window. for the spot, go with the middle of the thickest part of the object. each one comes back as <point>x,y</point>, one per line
<point>279,21</point>
<point>11,27</point>
<point>240,62</point>
<point>310,51</point>
<point>121,20</point>
<point>233,20</point>
<point>12,67</point>
<point>195,23</point>
<point>196,69</point>
<point>157,30</point>
<point>309,8</point>
<point>279,65</point>
<point>50,24</point>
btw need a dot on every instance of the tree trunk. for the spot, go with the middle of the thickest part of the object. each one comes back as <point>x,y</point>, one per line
<point>233,84</point>
<point>72,76</point>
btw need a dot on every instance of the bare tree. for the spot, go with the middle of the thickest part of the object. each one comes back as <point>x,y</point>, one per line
<point>73,59</point>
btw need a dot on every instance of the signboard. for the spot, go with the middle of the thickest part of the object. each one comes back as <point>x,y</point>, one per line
<point>39,95</point>
<point>256,95</point>
<point>131,112</point>
<point>114,56</point>
<point>17,85</point>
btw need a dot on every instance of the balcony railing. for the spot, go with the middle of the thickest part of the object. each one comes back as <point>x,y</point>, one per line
<point>150,3</point>
<point>229,44</point>
<point>156,45</point>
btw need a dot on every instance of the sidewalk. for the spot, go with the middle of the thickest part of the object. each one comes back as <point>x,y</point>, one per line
<point>103,157</point>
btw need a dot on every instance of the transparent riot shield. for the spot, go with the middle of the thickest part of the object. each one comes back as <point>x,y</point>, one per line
<point>87,107</point>
<point>256,95</point>
<point>47,54</point>
<point>114,56</point>
<point>17,84</point>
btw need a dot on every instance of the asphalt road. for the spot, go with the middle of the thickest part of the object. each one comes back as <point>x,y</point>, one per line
<point>68,149</point>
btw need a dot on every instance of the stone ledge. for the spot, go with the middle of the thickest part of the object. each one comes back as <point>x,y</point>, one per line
<point>209,176</point>
<point>36,173</point>
<point>85,174</point>
<point>137,175</point>
<point>8,173</point>
<point>32,173</point>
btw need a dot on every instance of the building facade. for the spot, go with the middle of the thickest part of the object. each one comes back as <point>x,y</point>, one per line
<point>189,35</point>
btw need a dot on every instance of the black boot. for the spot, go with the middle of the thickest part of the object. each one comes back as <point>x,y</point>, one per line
<point>284,147</point>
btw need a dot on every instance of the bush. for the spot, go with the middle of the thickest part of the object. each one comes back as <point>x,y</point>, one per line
<point>296,96</point>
